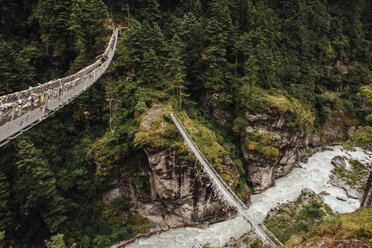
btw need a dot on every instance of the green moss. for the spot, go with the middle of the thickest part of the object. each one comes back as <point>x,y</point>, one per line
<point>298,217</point>
<point>211,146</point>
<point>278,101</point>
<point>354,176</point>
<point>260,144</point>
<point>160,133</point>
<point>353,225</point>
<point>118,214</point>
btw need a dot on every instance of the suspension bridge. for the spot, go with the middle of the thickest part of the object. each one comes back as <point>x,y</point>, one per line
<point>223,189</point>
<point>22,110</point>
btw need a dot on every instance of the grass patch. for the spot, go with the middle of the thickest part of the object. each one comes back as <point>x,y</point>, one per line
<point>211,145</point>
<point>298,217</point>
<point>270,101</point>
<point>354,176</point>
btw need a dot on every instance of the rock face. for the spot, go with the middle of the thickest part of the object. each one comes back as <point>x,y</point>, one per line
<point>282,147</point>
<point>209,102</point>
<point>338,161</point>
<point>181,196</point>
<point>337,129</point>
<point>180,193</point>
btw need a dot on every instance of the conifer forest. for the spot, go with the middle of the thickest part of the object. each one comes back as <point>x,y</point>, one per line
<point>259,85</point>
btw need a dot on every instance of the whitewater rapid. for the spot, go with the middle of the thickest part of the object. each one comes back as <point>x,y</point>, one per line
<point>313,175</point>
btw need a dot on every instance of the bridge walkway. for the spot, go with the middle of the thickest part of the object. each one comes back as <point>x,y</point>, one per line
<point>22,110</point>
<point>224,189</point>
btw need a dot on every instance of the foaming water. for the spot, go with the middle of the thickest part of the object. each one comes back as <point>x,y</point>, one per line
<point>313,175</point>
<point>217,235</point>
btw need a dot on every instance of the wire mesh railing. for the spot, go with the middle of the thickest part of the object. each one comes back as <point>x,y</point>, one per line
<point>21,110</point>
<point>228,194</point>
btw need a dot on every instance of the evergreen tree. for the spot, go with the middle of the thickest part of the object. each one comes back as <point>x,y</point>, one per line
<point>53,17</point>
<point>35,188</point>
<point>151,11</point>
<point>218,36</point>
<point>15,72</point>
<point>150,68</point>
<point>5,218</point>
<point>87,18</point>
<point>148,50</point>
<point>56,241</point>
<point>176,69</point>
<point>192,34</point>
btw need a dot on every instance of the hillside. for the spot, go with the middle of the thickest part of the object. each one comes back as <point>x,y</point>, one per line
<point>260,85</point>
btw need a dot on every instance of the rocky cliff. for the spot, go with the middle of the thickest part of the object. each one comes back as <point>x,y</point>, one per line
<point>276,134</point>
<point>179,194</point>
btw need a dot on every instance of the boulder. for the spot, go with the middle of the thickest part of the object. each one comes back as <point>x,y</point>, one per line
<point>338,161</point>
<point>315,141</point>
<point>341,198</point>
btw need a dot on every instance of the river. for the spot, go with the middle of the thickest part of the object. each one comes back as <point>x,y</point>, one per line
<point>313,175</point>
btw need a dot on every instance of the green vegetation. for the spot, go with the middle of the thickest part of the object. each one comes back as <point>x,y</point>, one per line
<point>355,175</point>
<point>212,148</point>
<point>260,144</point>
<point>357,225</point>
<point>306,60</point>
<point>298,217</point>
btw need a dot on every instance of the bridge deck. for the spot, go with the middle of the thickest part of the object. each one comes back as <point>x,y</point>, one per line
<point>223,188</point>
<point>21,110</point>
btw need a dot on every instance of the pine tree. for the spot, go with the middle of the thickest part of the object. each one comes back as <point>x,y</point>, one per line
<point>148,50</point>
<point>5,218</point>
<point>218,76</point>
<point>54,20</point>
<point>35,187</point>
<point>176,69</point>
<point>15,73</point>
<point>87,18</point>
<point>191,32</point>
<point>151,12</point>
<point>56,241</point>
<point>150,68</point>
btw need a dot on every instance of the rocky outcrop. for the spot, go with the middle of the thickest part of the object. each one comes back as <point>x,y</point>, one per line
<point>209,102</point>
<point>180,193</point>
<point>338,161</point>
<point>352,180</point>
<point>272,147</point>
<point>289,209</point>
<point>338,128</point>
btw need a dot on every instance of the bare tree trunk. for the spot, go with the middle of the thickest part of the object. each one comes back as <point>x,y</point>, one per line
<point>367,197</point>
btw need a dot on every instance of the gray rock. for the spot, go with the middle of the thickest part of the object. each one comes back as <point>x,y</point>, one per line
<point>324,193</point>
<point>315,141</point>
<point>180,194</point>
<point>307,190</point>
<point>340,198</point>
<point>338,161</point>
<point>262,168</point>
<point>111,195</point>
<point>351,129</point>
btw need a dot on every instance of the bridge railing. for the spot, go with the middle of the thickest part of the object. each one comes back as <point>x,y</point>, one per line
<point>22,109</point>
<point>266,235</point>
<point>236,198</point>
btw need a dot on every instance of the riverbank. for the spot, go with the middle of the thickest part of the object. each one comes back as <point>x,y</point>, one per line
<point>313,175</point>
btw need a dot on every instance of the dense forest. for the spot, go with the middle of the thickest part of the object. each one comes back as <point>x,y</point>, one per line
<point>316,54</point>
